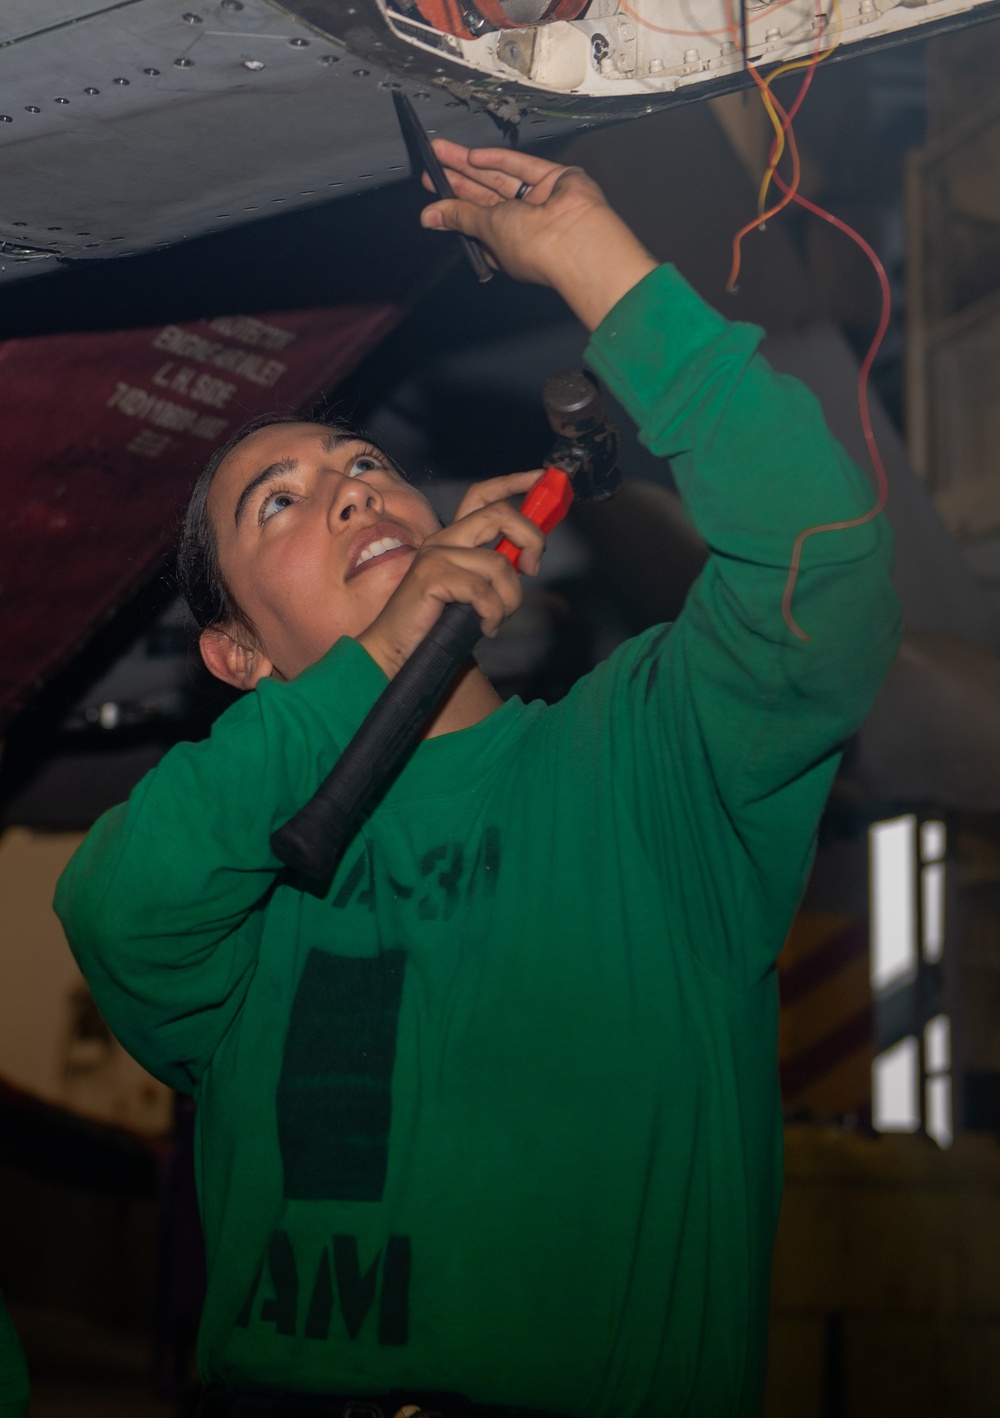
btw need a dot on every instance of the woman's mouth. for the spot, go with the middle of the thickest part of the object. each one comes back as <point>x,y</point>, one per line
<point>379,550</point>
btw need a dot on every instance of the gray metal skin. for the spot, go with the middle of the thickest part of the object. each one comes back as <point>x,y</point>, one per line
<point>126,126</point>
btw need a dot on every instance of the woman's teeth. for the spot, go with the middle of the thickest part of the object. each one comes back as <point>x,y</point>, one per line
<point>377,548</point>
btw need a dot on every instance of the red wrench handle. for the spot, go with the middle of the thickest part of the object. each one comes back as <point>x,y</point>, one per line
<point>546,505</point>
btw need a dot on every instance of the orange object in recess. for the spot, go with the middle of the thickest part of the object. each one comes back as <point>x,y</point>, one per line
<point>449,15</point>
<point>493,11</point>
<point>445,15</point>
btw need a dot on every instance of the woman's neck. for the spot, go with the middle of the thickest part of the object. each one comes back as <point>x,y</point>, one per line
<point>470,699</point>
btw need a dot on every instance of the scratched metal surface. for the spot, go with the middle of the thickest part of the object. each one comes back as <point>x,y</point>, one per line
<point>163,132</point>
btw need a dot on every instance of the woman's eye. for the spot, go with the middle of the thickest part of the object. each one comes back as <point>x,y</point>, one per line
<point>364,463</point>
<point>277,502</point>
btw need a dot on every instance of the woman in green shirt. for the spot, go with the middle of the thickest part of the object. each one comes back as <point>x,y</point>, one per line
<point>492,1125</point>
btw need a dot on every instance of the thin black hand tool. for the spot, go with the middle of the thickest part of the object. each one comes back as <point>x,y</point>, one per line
<point>422,156</point>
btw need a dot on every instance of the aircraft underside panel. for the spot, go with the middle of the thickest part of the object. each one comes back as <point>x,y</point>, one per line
<point>612,49</point>
<point>132,124</point>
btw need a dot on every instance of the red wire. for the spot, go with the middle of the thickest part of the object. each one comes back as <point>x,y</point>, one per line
<point>790,115</point>
<point>792,194</point>
<point>759,222</point>
<point>863,406</point>
<point>786,130</point>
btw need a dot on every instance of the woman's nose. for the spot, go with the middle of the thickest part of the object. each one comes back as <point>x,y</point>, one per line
<point>351,496</point>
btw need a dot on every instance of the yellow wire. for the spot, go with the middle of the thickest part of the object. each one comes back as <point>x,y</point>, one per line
<point>780,136</point>
<point>779,131</point>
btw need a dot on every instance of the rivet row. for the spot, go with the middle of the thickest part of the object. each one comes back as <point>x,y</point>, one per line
<point>183,62</point>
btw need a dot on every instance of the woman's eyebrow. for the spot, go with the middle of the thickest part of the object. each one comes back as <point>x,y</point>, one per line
<point>334,440</point>
<point>273,470</point>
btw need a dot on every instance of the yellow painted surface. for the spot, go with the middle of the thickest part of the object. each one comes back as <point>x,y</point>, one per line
<point>843,1089</point>
<point>40,986</point>
<point>810,929</point>
<point>968,193</point>
<point>795,1367</point>
<point>37,971</point>
<point>835,1001</point>
<point>898,1244</point>
<point>845,1085</point>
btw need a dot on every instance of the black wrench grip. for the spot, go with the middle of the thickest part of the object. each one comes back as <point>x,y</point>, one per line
<point>312,841</point>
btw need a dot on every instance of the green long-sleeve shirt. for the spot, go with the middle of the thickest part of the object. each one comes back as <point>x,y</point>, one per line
<point>498,1113</point>
<point>14,1388</point>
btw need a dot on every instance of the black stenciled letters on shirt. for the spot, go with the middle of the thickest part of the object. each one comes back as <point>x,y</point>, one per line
<point>334,1099</point>
<point>444,875</point>
<point>386,1280</point>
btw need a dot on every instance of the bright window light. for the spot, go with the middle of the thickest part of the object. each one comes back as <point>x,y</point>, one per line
<point>932,841</point>
<point>939,1125</point>
<point>932,903</point>
<point>892,853</point>
<point>896,1088</point>
<point>937,1044</point>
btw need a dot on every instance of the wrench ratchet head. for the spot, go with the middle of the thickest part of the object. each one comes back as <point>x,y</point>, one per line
<point>586,446</point>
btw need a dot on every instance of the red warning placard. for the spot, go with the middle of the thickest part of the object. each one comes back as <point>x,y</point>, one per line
<point>102,437</point>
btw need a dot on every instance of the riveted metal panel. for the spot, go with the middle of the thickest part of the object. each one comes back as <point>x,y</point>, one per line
<point>129,126</point>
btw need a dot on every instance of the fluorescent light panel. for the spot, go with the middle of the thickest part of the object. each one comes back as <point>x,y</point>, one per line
<point>937,1044</point>
<point>933,841</point>
<point>939,1123</point>
<point>892,856</point>
<point>896,1088</point>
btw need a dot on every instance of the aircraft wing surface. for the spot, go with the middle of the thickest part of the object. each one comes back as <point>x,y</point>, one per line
<point>132,124</point>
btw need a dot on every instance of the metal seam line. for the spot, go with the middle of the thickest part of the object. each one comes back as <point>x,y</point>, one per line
<point>64,24</point>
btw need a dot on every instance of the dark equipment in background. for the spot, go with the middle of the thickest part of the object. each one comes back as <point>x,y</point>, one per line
<point>583,463</point>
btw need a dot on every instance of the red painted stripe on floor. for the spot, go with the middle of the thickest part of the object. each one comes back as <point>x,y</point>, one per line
<point>808,1065</point>
<point>829,957</point>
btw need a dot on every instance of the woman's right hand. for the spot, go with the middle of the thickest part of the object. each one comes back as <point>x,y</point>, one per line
<point>458,564</point>
<point>562,233</point>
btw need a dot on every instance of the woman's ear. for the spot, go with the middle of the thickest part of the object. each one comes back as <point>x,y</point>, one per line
<point>232,662</point>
